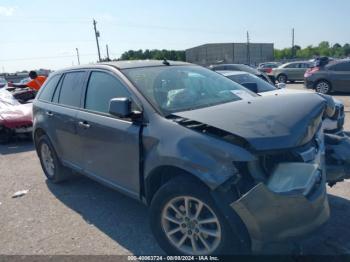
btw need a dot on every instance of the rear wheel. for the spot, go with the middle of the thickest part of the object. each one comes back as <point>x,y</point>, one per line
<point>187,222</point>
<point>323,87</point>
<point>51,166</point>
<point>282,78</point>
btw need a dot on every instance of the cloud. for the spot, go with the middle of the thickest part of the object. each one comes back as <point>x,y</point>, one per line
<point>7,10</point>
<point>106,17</point>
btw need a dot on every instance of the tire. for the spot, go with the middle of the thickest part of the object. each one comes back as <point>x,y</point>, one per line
<point>5,135</point>
<point>52,167</point>
<point>323,87</point>
<point>175,192</point>
<point>282,78</point>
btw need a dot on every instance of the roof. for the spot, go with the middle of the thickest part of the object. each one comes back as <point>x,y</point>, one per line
<point>125,64</point>
<point>142,63</point>
<point>231,73</point>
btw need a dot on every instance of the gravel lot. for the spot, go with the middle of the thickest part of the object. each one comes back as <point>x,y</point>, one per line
<point>81,217</point>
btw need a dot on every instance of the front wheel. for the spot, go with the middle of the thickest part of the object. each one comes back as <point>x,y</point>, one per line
<point>323,87</point>
<point>186,221</point>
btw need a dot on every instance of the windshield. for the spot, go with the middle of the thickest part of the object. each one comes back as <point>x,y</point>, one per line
<point>180,88</point>
<point>263,86</point>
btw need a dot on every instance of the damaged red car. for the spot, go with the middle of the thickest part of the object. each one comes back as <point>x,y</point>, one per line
<point>16,117</point>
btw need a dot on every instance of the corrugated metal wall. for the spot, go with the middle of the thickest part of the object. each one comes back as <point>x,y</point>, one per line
<point>230,53</point>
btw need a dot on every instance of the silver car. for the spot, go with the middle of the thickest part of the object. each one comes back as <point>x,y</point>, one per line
<point>293,71</point>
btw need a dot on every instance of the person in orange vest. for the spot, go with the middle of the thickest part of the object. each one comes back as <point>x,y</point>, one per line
<point>35,83</point>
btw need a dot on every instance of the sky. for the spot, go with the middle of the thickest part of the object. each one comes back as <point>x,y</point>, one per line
<point>45,34</point>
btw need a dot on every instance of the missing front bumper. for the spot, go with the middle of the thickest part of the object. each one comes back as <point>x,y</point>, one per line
<point>292,203</point>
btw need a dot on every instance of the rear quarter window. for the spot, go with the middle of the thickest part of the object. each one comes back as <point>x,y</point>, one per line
<point>49,88</point>
<point>71,89</point>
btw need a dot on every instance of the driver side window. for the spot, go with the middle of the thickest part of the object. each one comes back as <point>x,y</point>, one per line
<point>103,87</point>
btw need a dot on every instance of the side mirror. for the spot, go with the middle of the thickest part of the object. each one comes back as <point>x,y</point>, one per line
<point>281,85</point>
<point>121,107</point>
<point>251,86</point>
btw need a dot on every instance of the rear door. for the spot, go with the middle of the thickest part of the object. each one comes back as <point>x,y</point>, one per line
<point>302,67</point>
<point>340,76</point>
<point>110,146</point>
<point>66,103</point>
<point>291,71</point>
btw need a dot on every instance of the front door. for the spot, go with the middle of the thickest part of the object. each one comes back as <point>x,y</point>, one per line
<point>110,145</point>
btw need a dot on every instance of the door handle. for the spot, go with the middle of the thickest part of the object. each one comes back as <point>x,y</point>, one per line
<point>49,113</point>
<point>84,124</point>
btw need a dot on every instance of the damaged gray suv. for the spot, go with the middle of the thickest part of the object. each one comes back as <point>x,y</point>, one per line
<point>222,170</point>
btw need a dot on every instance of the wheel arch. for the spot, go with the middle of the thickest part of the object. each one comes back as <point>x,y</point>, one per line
<point>39,132</point>
<point>323,80</point>
<point>163,174</point>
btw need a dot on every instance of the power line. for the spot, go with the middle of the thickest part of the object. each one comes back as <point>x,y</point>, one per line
<point>45,57</point>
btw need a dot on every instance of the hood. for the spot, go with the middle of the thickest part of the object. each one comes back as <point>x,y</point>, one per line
<point>285,91</point>
<point>265,123</point>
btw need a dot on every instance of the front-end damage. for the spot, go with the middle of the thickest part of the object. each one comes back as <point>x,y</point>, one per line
<point>280,194</point>
<point>288,196</point>
<point>337,157</point>
<point>291,203</point>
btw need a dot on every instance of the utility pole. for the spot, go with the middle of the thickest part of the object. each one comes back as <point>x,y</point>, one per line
<point>97,35</point>
<point>293,46</point>
<point>78,55</point>
<point>107,53</point>
<point>248,48</point>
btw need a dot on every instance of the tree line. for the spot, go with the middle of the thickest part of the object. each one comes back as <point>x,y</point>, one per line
<point>174,55</point>
<point>323,49</point>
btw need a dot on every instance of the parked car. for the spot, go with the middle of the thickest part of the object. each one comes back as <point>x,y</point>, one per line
<point>291,72</point>
<point>332,77</point>
<point>16,116</point>
<point>221,169</point>
<point>243,68</point>
<point>3,82</point>
<point>268,66</point>
<point>333,124</point>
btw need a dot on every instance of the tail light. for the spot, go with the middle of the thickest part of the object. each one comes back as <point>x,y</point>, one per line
<point>311,71</point>
<point>268,70</point>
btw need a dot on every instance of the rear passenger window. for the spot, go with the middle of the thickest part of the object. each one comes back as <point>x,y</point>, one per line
<point>101,89</point>
<point>49,88</point>
<point>70,94</point>
<point>340,67</point>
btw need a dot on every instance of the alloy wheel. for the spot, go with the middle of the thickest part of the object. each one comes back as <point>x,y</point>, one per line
<point>47,159</point>
<point>322,87</point>
<point>191,226</point>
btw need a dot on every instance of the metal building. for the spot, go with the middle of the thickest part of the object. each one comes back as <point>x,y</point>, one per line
<point>230,53</point>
